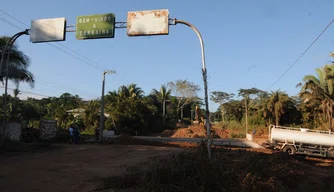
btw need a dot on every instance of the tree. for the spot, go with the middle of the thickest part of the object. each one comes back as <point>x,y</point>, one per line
<point>276,104</point>
<point>91,116</point>
<point>16,92</point>
<point>220,98</point>
<point>185,92</point>
<point>246,94</point>
<point>18,65</point>
<point>130,91</point>
<point>162,96</point>
<point>320,89</point>
<point>234,110</point>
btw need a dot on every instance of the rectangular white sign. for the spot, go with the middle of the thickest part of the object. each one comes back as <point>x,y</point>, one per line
<point>48,30</point>
<point>151,22</point>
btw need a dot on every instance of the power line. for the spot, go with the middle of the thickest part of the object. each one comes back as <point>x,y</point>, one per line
<point>6,21</point>
<point>9,23</point>
<point>89,61</point>
<point>64,87</point>
<point>37,94</point>
<point>302,54</point>
<point>27,92</point>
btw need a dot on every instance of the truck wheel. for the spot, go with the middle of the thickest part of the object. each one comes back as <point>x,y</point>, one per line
<point>289,149</point>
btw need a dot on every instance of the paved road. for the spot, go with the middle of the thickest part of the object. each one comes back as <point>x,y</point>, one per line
<point>216,141</point>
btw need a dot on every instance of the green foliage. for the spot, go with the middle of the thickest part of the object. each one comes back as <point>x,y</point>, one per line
<point>17,66</point>
<point>237,135</point>
<point>184,91</point>
<point>129,111</point>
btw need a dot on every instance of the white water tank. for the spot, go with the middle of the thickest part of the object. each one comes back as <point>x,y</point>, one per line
<point>302,136</point>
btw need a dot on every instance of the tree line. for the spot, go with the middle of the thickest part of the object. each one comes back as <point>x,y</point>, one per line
<point>311,108</point>
<point>129,110</point>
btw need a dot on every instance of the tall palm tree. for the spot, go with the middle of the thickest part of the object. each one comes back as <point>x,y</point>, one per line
<point>18,65</point>
<point>135,92</point>
<point>130,91</point>
<point>16,92</point>
<point>162,96</point>
<point>276,104</point>
<point>247,94</point>
<point>320,89</point>
<point>92,114</point>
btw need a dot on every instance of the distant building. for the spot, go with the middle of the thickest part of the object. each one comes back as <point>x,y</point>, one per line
<point>79,111</point>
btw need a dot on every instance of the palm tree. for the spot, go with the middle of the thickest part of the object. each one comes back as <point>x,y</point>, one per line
<point>276,104</point>
<point>320,89</point>
<point>16,91</point>
<point>162,96</point>
<point>246,94</point>
<point>134,91</point>
<point>92,114</point>
<point>130,91</point>
<point>18,65</point>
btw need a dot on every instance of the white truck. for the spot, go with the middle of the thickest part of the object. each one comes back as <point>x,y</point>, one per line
<point>301,141</point>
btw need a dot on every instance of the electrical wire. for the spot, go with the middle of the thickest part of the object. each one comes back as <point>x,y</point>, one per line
<point>323,31</point>
<point>28,92</point>
<point>89,61</point>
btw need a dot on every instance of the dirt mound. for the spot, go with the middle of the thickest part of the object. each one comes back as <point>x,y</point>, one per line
<point>226,171</point>
<point>195,131</point>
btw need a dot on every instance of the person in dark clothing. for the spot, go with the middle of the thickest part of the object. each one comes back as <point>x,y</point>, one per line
<point>97,134</point>
<point>76,135</point>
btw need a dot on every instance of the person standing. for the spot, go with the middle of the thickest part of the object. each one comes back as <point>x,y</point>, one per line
<point>97,134</point>
<point>76,135</point>
<point>70,131</point>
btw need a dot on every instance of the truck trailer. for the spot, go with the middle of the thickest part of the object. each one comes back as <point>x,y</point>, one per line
<point>301,141</point>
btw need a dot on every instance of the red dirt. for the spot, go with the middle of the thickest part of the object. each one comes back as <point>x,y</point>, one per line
<point>195,131</point>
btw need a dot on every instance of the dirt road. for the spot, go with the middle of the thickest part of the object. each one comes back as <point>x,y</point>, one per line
<point>71,167</point>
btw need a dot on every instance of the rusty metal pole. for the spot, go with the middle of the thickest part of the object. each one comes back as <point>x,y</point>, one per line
<point>204,72</point>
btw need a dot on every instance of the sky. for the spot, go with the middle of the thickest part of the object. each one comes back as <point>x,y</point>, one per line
<point>247,44</point>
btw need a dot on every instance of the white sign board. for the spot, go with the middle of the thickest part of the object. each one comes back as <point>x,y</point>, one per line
<point>48,30</point>
<point>151,22</point>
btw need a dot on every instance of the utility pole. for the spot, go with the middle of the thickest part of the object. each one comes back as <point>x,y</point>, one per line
<point>164,112</point>
<point>102,102</point>
<point>204,73</point>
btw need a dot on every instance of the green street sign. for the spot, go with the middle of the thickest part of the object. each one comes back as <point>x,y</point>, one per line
<point>95,26</point>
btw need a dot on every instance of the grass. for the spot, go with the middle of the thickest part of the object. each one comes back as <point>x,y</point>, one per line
<point>237,129</point>
<point>226,171</point>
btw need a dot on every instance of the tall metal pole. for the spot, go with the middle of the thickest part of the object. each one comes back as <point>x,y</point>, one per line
<point>9,43</point>
<point>163,113</point>
<point>164,109</point>
<point>102,103</point>
<point>204,73</point>
<point>102,108</point>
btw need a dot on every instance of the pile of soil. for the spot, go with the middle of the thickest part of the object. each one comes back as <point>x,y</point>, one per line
<point>235,170</point>
<point>195,131</point>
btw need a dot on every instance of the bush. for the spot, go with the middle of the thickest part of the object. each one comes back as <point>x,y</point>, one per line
<point>226,171</point>
<point>237,135</point>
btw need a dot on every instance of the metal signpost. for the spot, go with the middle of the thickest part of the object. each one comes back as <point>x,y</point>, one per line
<point>139,23</point>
